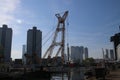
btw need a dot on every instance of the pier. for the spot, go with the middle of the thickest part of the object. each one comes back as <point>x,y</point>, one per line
<point>112,75</point>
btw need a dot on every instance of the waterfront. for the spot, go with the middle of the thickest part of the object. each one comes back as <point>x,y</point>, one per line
<point>74,74</point>
<point>77,73</point>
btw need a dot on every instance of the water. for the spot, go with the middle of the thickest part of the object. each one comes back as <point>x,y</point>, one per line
<point>74,74</point>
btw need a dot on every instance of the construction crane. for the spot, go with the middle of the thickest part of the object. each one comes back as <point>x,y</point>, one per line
<point>61,44</point>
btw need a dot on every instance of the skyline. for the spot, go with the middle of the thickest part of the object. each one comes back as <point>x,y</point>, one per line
<point>91,23</point>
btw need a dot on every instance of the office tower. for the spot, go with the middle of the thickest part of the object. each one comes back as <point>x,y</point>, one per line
<point>65,57</point>
<point>77,53</point>
<point>116,40</point>
<point>5,43</point>
<point>107,54</point>
<point>118,51</point>
<point>112,54</point>
<point>34,42</point>
<point>86,52</point>
<point>81,53</point>
<point>24,51</point>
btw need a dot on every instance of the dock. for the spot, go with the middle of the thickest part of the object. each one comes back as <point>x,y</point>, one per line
<point>113,75</point>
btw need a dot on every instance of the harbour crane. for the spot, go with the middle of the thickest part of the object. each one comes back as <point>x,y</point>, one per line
<point>60,29</point>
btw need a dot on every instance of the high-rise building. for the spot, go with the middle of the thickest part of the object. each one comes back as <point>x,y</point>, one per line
<point>118,51</point>
<point>107,54</point>
<point>116,40</point>
<point>34,42</point>
<point>86,52</point>
<point>112,54</point>
<point>77,53</point>
<point>74,53</point>
<point>5,43</point>
<point>24,51</point>
<point>81,48</point>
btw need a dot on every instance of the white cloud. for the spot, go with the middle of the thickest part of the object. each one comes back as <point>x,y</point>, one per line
<point>9,5</point>
<point>19,21</point>
<point>7,9</point>
<point>4,19</point>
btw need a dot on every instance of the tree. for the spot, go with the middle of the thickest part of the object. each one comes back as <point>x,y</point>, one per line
<point>88,61</point>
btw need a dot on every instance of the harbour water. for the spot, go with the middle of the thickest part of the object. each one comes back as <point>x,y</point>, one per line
<point>74,74</point>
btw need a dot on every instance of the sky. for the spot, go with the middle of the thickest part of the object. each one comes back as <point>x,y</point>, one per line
<point>91,22</point>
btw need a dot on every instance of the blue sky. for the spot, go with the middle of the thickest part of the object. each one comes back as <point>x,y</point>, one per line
<point>91,22</point>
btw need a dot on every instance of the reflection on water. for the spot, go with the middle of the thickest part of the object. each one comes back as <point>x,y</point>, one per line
<point>59,78</point>
<point>74,74</point>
